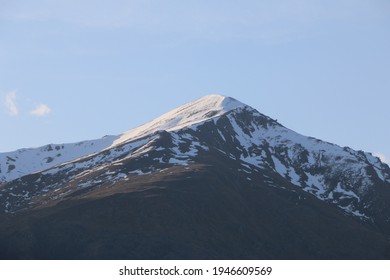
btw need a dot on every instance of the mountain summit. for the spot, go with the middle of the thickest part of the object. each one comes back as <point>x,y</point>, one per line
<point>189,114</point>
<point>190,182</point>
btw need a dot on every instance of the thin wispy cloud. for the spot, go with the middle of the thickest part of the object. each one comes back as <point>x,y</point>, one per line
<point>41,110</point>
<point>10,104</point>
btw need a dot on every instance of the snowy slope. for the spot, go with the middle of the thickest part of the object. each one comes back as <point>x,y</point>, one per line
<point>16,164</point>
<point>335,174</point>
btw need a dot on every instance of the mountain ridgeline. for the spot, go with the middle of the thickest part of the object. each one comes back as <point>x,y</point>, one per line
<point>212,179</point>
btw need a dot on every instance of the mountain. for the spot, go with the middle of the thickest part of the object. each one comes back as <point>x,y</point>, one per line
<point>212,179</point>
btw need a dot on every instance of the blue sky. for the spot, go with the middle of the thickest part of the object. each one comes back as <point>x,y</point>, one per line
<point>73,70</point>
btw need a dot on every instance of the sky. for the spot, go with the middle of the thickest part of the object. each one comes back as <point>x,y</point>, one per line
<point>72,70</point>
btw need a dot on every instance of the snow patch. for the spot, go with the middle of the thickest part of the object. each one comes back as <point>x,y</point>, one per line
<point>345,193</point>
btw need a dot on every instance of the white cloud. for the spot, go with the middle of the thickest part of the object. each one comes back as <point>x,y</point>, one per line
<point>41,110</point>
<point>10,103</point>
<point>382,157</point>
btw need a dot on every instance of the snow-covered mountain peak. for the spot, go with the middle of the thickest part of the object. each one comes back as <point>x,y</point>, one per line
<point>215,102</point>
<point>16,164</point>
<point>200,110</point>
